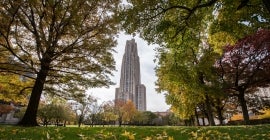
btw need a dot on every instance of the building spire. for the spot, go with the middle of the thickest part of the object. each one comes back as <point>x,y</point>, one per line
<point>130,80</point>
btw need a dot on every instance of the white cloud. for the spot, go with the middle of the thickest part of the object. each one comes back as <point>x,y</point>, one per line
<point>155,101</point>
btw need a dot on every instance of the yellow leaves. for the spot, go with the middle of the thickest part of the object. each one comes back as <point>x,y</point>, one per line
<point>15,131</point>
<point>201,134</point>
<point>158,136</point>
<point>148,138</point>
<point>13,88</point>
<point>129,135</point>
<point>142,133</point>
<point>103,134</point>
<point>265,115</point>
<point>53,135</point>
<point>256,136</point>
<point>194,134</point>
<point>162,136</point>
<point>184,103</point>
<point>221,39</point>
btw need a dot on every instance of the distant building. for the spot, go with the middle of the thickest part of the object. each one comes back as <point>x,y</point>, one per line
<point>162,114</point>
<point>130,80</point>
<point>8,118</point>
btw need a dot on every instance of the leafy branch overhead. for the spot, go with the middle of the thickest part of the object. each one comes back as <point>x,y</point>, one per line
<point>65,46</point>
<point>161,21</point>
<point>61,36</point>
<point>191,36</point>
<point>245,65</point>
<point>155,19</point>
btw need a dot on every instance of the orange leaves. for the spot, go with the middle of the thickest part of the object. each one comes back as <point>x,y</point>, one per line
<point>237,117</point>
<point>5,108</point>
<point>125,109</point>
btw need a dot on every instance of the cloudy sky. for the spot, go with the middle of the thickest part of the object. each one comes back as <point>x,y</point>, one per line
<point>155,101</point>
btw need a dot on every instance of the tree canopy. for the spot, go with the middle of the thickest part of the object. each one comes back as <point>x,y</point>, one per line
<point>14,89</point>
<point>161,21</point>
<point>191,35</point>
<point>64,45</point>
<point>245,66</point>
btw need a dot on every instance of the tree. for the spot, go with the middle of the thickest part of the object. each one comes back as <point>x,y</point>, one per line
<point>140,118</point>
<point>245,66</point>
<point>95,110</point>
<point>245,3</point>
<point>185,72</point>
<point>83,107</point>
<point>260,100</point>
<point>13,88</point>
<point>129,111</point>
<point>54,113</point>
<point>163,21</point>
<point>54,110</point>
<point>191,35</point>
<point>66,44</point>
<point>119,110</point>
<point>150,117</point>
<point>44,114</point>
<point>173,119</point>
<point>125,111</point>
<point>108,112</point>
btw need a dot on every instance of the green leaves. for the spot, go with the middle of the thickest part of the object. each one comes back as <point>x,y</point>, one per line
<point>221,39</point>
<point>192,35</point>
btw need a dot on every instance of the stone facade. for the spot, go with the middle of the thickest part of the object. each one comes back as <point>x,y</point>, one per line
<point>130,80</point>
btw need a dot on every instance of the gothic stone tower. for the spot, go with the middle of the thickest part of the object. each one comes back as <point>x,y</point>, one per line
<point>130,80</point>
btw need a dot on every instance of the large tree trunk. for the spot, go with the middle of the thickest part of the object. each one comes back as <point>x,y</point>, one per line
<point>197,117</point>
<point>207,102</point>
<point>203,121</point>
<point>209,111</point>
<point>219,113</point>
<point>241,98</point>
<point>204,114</point>
<point>80,120</point>
<point>29,118</point>
<point>120,121</point>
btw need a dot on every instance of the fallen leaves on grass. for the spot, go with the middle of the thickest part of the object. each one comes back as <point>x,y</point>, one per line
<point>209,135</point>
<point>162,136</point>
<point>129,135</point>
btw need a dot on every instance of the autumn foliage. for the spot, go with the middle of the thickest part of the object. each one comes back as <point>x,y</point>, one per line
<point>125,110</point>
<point>245,66</point>
<point>246,63</point>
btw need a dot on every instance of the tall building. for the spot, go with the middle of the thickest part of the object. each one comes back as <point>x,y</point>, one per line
<point>130,80</point>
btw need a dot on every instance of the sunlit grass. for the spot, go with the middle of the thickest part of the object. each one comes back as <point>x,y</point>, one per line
<point>257,132</point>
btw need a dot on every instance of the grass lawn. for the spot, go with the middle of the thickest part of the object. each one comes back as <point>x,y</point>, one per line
<point>257,132</point>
